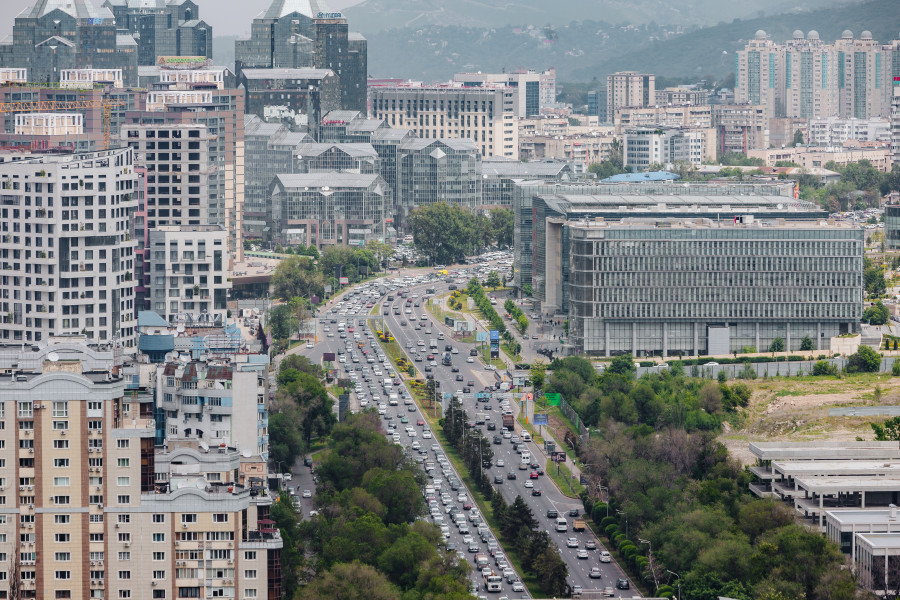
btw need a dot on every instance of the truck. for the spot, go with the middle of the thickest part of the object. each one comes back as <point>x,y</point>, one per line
<point>508,422</point>
<point>492,582</point>
<point>447,360</point>
<point>433,344</point>
<point>481,561</point>
<point>578,524</point>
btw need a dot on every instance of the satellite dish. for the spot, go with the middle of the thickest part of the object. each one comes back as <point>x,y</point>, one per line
<point>200,484</point>
<point>246,454</point>
<point>170,356</point>
<point>53,357</point>
<point>180,328</point>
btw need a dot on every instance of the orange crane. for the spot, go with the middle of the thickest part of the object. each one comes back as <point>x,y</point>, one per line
<point>53,105</point>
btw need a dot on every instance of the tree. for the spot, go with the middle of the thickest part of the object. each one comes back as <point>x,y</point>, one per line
<point>605,169</point>
<point>538,372</point>
<point>806,344</point>
<point>873,276</point>
<point>622,364</point>
<point>877,314</point>
<point>443,232</point>
<point>297,276</point>
<point>380,250</point>
<point>888,431</point>
<point>777,345</point>
<point>493,280</point>
<point>353,581</point>
<point>282,323</point>
<point>865,360</point>
<point>798,138</point>
<point>502,224</point>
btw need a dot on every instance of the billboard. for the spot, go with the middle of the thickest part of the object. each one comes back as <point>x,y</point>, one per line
<point>481,336</point>
<point>344,280</point>
<point>554,399</point>
<point>495,343</point>
<point>328,357</point>
<point>449,321</point>
<point>558,456</point>
<point>463,325</point>
<point>541,419</point>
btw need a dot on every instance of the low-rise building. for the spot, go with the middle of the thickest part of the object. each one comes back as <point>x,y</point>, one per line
<point>666,115</point>
<point>643,147</point>
<point>807,156</point>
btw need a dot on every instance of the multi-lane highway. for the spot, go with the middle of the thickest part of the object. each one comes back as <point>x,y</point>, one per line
<point>415,331</point>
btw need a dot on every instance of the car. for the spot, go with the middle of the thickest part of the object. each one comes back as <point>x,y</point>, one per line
<point>576,590</point>
<point>309,344</point>
<point>572,542</point>
<point>489,367</point>
<point>574,512</point>
<point>498,479</point>
<point>582,554</point>
<point>455,370</point>
<point>467,506</point>
<point>498,440</point>
<point>609,592</point>
<point>466,390</point>
<point>595,573</point>
<point>517,586</point>
<point>473,548</point>
<point>307,494</point>
<point>501,462</point>
<point>711,364</point>
<point>535,492</point>
<point>529,484</point>
<point>622,584</point>
<point>411,408</point>
<point>404,420</point>
<point>590,545</point>
<point>511,475</point>
<point>470,383</point>
<point>552,514</point>
<point>470,359</point>
<point>492,426</point>
<point>459,377</point>
<point>533,475</point>
<point>420,422</point>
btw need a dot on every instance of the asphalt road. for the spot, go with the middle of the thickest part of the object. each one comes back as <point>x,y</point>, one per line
<point>551,497</point>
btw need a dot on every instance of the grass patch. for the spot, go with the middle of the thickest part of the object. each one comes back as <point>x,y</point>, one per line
<point>537,439</point>
<point>563,480</point>
<point>507,350</point>
<point>485,352</point>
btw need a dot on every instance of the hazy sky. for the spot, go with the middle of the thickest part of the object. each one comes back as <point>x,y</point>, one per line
<point>227,17</point>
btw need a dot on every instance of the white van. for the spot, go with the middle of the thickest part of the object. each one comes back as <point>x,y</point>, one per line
<point>526,437</point>
<point>562,524</point>
<point>393,399</point>
<point>388,383</point>
<point>526,457</point>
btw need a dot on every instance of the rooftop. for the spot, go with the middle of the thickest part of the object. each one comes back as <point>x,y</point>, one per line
<point>307,73</point>
<point>707,223</point>
<point>860,516</point>
<point>80,9</point>
<point>883,541</point>
<point>323,180</point>
<point>635,177</point>
<point>574,202</point>
<point>823,450</point>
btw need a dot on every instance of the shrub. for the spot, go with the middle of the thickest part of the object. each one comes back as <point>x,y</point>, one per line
<point>607,521</point>
<point>611,530</point>
<point>895,368</point>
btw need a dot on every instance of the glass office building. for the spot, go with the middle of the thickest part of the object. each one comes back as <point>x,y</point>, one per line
<point>701,287</point>
<point>892,227</point>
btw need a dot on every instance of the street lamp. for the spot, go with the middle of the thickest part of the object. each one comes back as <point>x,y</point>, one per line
<point>601,488</point>
<point>625,516</point>
<point>679,582</point>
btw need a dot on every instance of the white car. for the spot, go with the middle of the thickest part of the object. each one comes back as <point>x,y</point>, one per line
<point>605,557</point>
<point>307,494</point>
<point>470,359</point>
<point>529,483</point>
<point>501,462</point>
<point>426,434</point>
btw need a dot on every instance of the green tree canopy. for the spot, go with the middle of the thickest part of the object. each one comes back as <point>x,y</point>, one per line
<point>297,276</point>
<point>876,314</point>
<point>502,223</point>
<point>865,360</point>
<point>443,232</point>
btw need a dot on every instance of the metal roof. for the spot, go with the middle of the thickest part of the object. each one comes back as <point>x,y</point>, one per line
<point>282,8</point>
<point>308,73</point>
<point>80,9</point>
<point>355,150</point>
<point>637,177</point>
<point>331,180</point>
<point>573,203</point>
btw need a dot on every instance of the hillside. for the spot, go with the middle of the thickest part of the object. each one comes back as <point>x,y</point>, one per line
<point>373,16</point>
<point>581,51</point>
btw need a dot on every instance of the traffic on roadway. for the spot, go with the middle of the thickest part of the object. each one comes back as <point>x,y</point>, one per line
<point>348,331</point>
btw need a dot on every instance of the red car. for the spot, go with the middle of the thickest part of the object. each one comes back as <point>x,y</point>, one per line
<point>420,423</point>
<point>534,475</point>
<point>467,506</point>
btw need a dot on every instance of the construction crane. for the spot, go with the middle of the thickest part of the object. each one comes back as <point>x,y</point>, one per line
<point>54,105</point>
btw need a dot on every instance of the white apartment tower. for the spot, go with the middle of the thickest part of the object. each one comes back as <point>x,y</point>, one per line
<point>188,272</point>
<point>895,122</point>
<point>66,251</point>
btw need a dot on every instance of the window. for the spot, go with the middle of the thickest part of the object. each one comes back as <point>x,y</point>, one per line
<point>220,517</point>
<point>62,556</point>
<point>159,574</point>
<point>25,409</point>
<point>62,537</point>
<point>63,574</point>
<point>95,406</point>
<point>123,499</point>
<point>60,500</point>
<point>124,574</point>
<point>250,593</point>
<point>250,555</point>
<point>250,574</point>
<point>122,443</point>
<point>159,537</point>
<point>60,409</point>
<point>63,593</point>
<point>159,556</point>
<point>124,555</point>
<point>61,481</point>
<point>62,519</point>
<point>123,481</point>
<point>60,425</point>
<point>189,518</point>
<point>124,537</point>
<point>95,537</point>
<point>159,518</point>
<point>62,463</point>
<point>123,462</point>
<point>124,518</point>
<point>124,593</point>
<point>60,444</point>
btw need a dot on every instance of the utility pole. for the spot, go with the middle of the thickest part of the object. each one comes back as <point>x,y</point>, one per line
<point>679,582</point>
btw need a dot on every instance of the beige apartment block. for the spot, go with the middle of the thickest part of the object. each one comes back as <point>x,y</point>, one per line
<point>880,158</point>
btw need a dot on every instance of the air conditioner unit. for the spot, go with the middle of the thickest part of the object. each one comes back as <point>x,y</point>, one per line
<point>30,487</point>
<point>99,506</point>
<point>62,432</point>
<point>101,582</point>
<point>31,450</point>
<point>184,525</point>
<point>31,526</point>
<point>153,582</point>
<point>231,544</point>
<point>99,489</point>
<point>31,506</point>
<point>230,561</point>
<point>117,525</point>
<point>21,488</point>
<point>180,563</point>
<point>93,563</point>
<point>177,542</point>
<point>128,544</point>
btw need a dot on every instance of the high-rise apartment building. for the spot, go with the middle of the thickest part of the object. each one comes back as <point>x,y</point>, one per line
<point>163,28</point>
<point>93,508</point>
<point>484,115</point>
<point>628,88</point>
<point>295,34</point>
<point>895,121</point>
<point>643,147</point>
<point>66,247</point>
<point>808,78</point>
<point>739,127</point>
<point>188,272</point>
<point>682,95</point>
